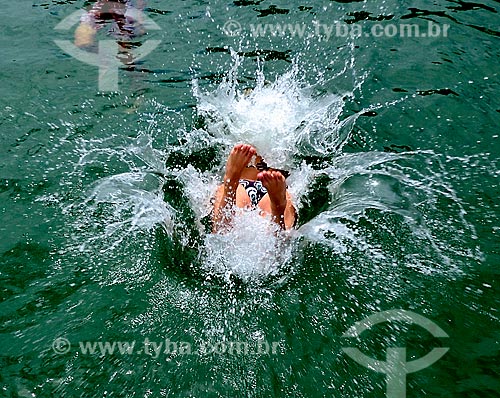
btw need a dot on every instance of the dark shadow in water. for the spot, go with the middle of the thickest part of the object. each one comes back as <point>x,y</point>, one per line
<point>46,4</point>
<point>397,148</point>
<point>181,257</point>
<point>425,14</point>
<point>245,3</point>
<point>266,55</point>
<point>359,16</point>
<point>306,8</point>
<point>157,11</point>
<point>417,13</point>
<point>347,1</point>
<point>320,196</point>
<point>204,159</point>
<point>183,76</point>
<point>469,6</point>
<point>424,93</point>
<point>272,10</point>
<point>441,91</point>
<point>484,30</point>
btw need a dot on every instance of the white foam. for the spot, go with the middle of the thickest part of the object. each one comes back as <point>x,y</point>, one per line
<point>276,118</point>
<point>253,249</point>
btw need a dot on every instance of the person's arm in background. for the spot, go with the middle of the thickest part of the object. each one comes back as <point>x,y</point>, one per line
<point>84,35</point>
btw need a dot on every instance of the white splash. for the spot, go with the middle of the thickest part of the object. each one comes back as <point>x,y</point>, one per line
<point>288,122</point>
<point>278,118</point>
<point>252,250</point>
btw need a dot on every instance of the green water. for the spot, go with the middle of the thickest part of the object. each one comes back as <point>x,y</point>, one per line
<point>91,270</point>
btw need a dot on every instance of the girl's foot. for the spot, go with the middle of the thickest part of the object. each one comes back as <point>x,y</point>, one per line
<point>238,159</point>
<point>275,184</point>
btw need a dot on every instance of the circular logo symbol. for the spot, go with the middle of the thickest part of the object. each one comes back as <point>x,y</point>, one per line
<point>61,346</point>
<point>232,28</point>
<point>395,366</point>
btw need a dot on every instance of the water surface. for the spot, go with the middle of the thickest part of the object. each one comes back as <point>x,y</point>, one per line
<point>393,148</point>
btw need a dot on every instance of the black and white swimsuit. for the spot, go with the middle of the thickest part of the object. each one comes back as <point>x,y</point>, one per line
<point>255,190</point>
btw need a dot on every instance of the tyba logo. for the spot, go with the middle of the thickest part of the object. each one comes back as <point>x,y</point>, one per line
<point>395,366</point>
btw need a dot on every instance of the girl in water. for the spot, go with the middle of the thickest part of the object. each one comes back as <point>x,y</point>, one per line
<point>252,185</point>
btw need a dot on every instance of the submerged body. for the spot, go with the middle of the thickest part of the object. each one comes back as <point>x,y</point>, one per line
<point>246,187</point>
<point>125,18</point>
